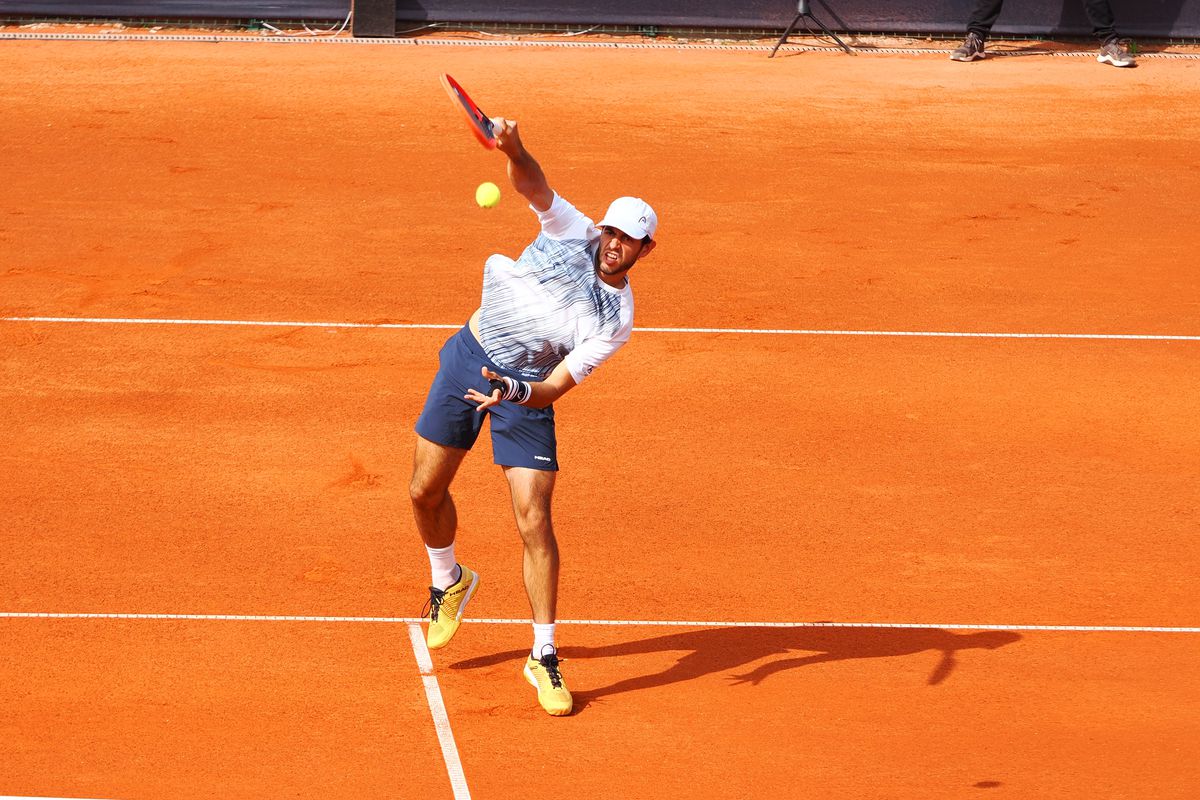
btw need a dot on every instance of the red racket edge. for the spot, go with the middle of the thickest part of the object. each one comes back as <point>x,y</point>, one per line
<point>479,122</point>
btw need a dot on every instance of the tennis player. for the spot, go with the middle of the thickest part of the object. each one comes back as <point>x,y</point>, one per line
<point>546,321</point>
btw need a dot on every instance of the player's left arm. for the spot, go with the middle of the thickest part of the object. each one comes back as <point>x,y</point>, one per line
<point>541,393</point>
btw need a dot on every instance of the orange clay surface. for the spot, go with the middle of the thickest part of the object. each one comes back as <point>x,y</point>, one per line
<point>708,477</point>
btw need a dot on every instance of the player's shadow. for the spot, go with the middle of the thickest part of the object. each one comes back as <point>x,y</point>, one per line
<point>735,650</point>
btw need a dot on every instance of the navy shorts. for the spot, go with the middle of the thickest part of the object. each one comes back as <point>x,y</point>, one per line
<point>521,436</point>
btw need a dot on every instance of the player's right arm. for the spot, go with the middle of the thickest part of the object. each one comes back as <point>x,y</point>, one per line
<point>523,170</point>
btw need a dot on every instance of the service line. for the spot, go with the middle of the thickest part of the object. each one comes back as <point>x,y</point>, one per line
<point>744,331</point>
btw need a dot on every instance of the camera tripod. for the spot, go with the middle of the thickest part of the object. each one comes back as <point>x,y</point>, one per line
<point>803,12</point>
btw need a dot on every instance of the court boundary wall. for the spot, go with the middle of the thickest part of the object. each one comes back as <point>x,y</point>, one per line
<point>1138,18</point>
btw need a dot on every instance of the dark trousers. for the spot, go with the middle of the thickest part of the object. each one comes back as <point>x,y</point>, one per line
<point>1099,13</point>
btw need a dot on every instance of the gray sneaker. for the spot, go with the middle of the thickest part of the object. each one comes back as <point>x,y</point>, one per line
<point>1115,53</point>
<point>970,49</point>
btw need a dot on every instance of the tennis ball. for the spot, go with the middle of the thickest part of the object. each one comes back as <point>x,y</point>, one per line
<point>487,195</point>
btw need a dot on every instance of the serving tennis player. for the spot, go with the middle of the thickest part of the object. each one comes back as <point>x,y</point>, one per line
<point>546,321</point>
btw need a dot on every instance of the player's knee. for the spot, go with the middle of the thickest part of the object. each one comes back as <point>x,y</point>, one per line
<point>425,495</point>
<point>536,529</point>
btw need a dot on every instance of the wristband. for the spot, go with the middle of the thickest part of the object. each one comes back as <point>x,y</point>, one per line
<point>516,391</point>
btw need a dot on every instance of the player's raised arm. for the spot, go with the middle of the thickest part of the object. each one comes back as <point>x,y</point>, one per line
<point>523,170</point>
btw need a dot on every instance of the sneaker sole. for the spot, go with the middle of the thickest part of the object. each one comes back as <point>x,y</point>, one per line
<point>965,59</point>
<point>1114,62</point>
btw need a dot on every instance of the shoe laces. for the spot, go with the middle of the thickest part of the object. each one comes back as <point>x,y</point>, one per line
<point>434,604</point>
<point>549,662</point>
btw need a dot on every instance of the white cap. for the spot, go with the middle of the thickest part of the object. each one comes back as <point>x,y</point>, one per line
<point>632,216</point>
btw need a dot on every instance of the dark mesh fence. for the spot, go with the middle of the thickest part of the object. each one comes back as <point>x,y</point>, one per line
<point>1146,18</point>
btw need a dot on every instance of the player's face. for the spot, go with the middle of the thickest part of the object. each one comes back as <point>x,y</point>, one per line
<point>618,252</point>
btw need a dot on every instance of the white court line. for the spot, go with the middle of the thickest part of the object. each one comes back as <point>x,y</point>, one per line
<point>437,708</point>
<point>229,322</point>
<point>415,621</point>
<point>757,331</point>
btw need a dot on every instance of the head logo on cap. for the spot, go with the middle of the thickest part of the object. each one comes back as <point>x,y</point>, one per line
<point>632,216</point>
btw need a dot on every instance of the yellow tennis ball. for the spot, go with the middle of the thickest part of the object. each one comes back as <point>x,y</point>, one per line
<point>487,195</point>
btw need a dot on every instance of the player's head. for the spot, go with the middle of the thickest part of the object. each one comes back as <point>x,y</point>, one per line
<point>626,234</point>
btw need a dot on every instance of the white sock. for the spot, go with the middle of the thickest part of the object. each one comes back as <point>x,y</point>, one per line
<point>443,567</point>
<point>542,635</point>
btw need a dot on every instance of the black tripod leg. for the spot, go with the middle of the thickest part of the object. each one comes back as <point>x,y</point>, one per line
<point>786,34</point>
<point>832,35</point>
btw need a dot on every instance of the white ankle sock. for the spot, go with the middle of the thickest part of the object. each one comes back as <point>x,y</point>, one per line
<point>442,566</point>
<point>542,635</point>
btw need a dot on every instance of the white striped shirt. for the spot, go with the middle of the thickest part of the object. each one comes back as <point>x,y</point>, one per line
<point>549,304</point>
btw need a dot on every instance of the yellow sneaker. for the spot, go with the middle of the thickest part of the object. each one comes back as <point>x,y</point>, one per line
<point>543,675</point>
<point>445,608</point>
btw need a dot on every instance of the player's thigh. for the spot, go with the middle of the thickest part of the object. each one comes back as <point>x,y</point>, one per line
<point>434,467</point>
<point>532,493</point>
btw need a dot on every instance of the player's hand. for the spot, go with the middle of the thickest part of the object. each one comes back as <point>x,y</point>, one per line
<point>740,680</point>
<point>508,140</point>
<point>485,401</point>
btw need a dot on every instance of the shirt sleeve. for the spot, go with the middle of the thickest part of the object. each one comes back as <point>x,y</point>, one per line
<point>563,221</point>
<point>595,350</point>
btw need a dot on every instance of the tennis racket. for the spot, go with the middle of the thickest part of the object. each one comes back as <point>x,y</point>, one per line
<point>479,122</point>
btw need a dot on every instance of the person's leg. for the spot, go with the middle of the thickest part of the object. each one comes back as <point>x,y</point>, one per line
<point>446,431</point>
<point>1100,14</point>
<point>524,445</point>
<point>434,467</point>
<point>1112,51</point>
<point>453,585</point>
<point>532,491</point>
<point>983,16</point>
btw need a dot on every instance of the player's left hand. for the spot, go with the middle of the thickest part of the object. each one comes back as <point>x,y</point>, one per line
<point>485,401</point>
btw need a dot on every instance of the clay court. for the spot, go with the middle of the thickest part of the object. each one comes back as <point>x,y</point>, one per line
<point>893,494</point>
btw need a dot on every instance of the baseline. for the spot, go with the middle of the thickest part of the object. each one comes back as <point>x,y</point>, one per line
<point>416,621</point>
